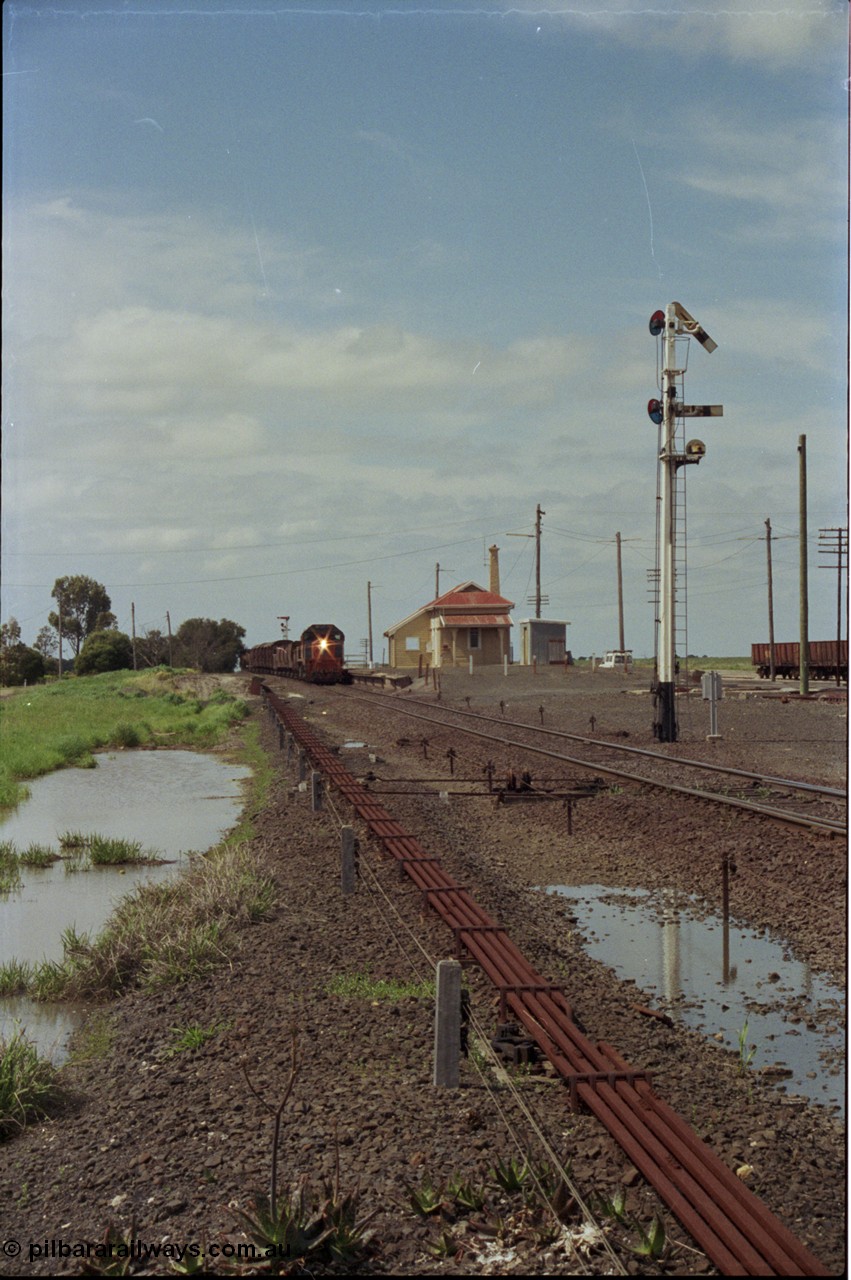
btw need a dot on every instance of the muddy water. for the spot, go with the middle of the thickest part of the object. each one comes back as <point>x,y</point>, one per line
<point>716,980</point>
<point>172,802</point>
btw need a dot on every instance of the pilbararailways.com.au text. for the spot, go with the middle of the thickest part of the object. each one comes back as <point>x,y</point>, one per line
<point>135,1250</point>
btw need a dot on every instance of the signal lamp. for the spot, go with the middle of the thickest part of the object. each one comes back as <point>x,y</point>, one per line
<point>654,408</point>
<point>657,323</point>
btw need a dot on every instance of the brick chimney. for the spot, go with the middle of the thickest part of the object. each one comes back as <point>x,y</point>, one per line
<point>494,578</point>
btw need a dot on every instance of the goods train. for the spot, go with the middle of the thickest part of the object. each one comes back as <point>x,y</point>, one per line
<point>825,657</point>
<point>316,656</point>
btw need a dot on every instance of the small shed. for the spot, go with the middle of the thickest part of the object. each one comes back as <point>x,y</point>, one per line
<point>543,641</point>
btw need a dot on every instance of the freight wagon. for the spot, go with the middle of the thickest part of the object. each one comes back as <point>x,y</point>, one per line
<point>787,660</point>
<point>316,656</point>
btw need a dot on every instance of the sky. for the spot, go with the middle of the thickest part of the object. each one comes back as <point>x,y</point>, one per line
<point>302,301</point>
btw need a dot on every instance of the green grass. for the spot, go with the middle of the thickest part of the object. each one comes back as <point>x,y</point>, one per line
<point>56,725</point>
<point>363,987</point>
<point>158,935</point>
<point>186,1039</point>
<point>28,1087</point>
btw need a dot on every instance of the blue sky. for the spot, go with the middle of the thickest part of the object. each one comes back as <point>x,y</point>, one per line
<point>299,297</point>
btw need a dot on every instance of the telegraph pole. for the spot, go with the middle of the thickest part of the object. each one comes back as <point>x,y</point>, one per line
<point>133,629</point>
<point>804,610</point>
<point>621,644</point>
<point>834,543</point>
<point>369,619</point>
<point>168,624</point>
<point>770,600</point>
<point>670,324</point>
<point>538,514</point>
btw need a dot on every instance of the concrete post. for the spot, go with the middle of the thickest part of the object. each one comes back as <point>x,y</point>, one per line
<point>347,862</point>
<point>447,1025</point>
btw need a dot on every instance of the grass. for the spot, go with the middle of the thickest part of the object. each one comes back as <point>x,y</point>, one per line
<point>363,987</point>
<point>186,1039</point>
<point>55,725</point>
<point>159,934</point>
<point>28,1087</point>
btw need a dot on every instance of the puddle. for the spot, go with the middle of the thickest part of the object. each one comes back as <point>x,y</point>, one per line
<point>170,801</point>
<point>796,1019</point>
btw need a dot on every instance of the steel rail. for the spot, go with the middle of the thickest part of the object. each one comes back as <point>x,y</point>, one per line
<point>832,826</point>
<point>736,1230</point>
<point>788,784</point>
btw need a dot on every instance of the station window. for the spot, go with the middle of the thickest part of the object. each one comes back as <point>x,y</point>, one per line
<point>474,642</point>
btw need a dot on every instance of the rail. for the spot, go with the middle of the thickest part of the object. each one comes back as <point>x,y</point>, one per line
<point>735,1229</point>
<point>831,826</point>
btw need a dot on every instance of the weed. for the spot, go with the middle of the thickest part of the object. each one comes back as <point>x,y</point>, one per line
<point>38,855</point>
<point>510,1176</point>
<point>652,1242</point>
<point>193,1037</point>
<point>10,875</point>
<point>72,840</point>
<point>746,1055</point>
<point>446,1246</point>
<point>364,987</point>
<point>14,977</point>
<point>113,1256</point>
<point>465,1195</point>
<point>614,1208</point>
<point>426,1199</point>
<point>303,1225</point>
<point>28,1087</point>
<point>95,1040</point>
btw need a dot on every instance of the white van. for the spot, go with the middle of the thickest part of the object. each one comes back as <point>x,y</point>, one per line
<point>617,660</point>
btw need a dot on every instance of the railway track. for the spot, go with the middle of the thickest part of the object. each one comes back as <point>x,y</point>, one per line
<point>460,721</point>
<point>735,1229</point>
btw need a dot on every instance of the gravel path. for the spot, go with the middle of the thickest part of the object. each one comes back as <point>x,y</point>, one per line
<point>170,1147</point>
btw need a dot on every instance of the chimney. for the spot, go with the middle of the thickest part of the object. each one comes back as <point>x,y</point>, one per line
<point>494,579</point>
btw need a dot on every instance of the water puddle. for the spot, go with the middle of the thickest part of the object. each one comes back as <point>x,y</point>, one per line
<point>715,983</point>
<point>170,801</point>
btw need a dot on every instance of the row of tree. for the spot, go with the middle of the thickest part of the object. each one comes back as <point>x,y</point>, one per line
<point>87,631</point>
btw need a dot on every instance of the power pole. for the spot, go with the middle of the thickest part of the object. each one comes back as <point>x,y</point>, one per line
<point>834,543</point>
<point>621,643</point>
<point>59,603</point>
<point>539,599</point>
<point>133,629</point>
<point>168,624</point>
<point>770,600</point>
<point>369,619</point>
<point>670,324</point>
<point>804,611</point>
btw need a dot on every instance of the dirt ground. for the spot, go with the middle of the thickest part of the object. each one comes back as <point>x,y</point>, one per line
<point>168,1149</point>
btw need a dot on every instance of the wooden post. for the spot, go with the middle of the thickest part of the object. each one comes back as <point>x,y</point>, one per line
<point>302,766</point>
<point>347,859</point>
<point>447,1025</point>
<point>315,791</point>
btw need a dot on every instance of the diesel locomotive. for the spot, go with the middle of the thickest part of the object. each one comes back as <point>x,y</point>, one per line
<point>316,656</point>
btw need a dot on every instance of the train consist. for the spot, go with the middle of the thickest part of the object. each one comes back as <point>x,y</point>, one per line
<point>826,658</point>
<point>317,656</point>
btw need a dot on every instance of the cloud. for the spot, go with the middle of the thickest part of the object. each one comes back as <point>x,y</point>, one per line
<point>775,37</point>
<point>788,179</point>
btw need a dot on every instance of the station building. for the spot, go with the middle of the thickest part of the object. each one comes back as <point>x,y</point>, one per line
<point>466,622</point>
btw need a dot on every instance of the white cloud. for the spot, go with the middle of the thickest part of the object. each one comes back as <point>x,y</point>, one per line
<point>775,36</point>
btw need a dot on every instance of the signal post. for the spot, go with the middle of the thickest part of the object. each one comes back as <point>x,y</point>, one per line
<point>670,324</point>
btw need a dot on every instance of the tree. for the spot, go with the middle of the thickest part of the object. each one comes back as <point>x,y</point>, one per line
<point>18,663</point>
<point>208,645</point>
<point>10,633</point>
<point>152,648</point>
<point>46,643</point>
<point>108,650</point>
<point>84,606</point>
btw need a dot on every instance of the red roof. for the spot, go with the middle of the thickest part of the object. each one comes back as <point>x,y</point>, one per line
<point>470,596</point>
<point>476,620</point>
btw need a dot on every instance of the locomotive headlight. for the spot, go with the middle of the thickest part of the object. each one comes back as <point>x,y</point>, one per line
<point>323,644</point>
